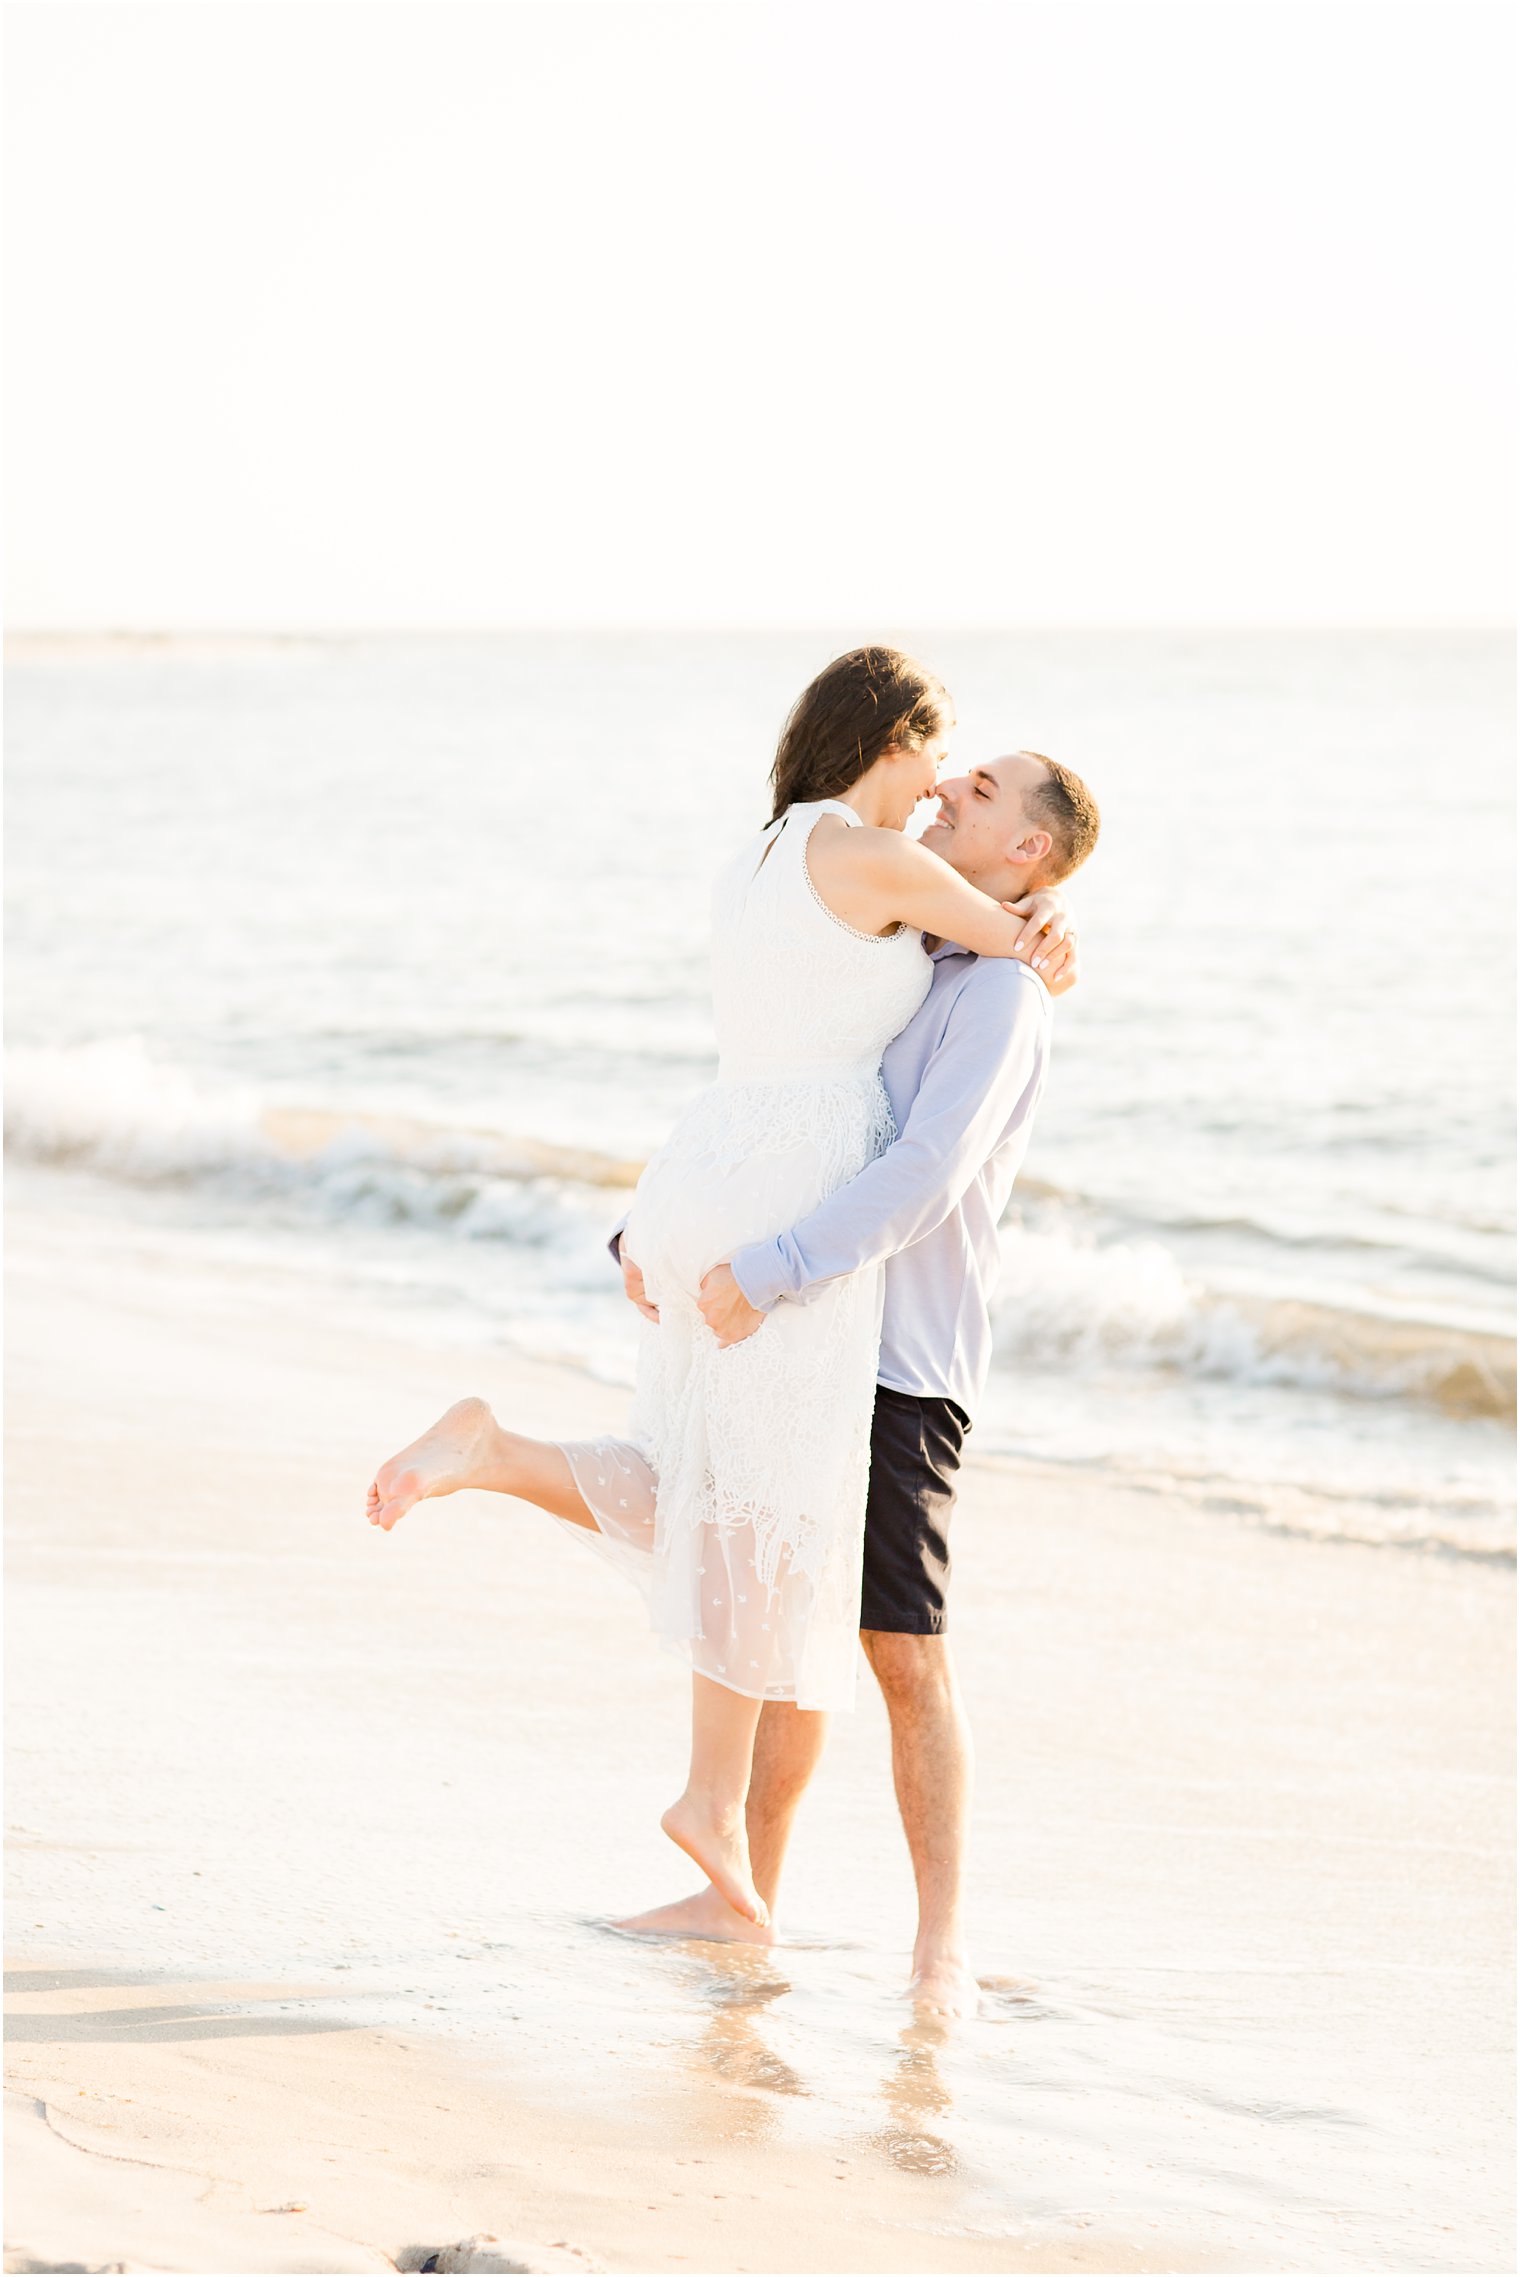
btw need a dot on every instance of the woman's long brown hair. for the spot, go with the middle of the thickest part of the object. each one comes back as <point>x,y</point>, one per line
<point>866,702</point>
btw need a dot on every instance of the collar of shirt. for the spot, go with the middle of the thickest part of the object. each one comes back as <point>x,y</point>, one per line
<point>954,949</point>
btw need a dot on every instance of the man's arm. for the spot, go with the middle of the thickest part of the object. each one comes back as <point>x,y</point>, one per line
<point>978,1089</point>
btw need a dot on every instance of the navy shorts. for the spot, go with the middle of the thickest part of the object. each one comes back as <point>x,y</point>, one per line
<point>915,1455</point>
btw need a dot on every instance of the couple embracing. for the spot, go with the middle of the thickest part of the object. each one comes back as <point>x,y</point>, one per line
<point>813,1251</point>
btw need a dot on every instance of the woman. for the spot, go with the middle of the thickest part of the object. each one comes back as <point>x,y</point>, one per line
<point>737,1502</point>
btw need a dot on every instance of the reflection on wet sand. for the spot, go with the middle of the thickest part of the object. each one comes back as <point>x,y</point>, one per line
<point>914,2093</point>
<point>732,1985</point>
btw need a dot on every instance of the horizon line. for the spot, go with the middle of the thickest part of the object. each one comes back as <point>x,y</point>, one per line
<point>159,634</point>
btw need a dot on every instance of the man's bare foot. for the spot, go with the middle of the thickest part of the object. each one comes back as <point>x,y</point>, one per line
<point>942,1984</point>
<point>708,1915</point>
<point>719,1845</point>
<point>441,1462</point>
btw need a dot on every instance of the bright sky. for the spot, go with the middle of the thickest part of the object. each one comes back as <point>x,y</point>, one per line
<point>333,313</point>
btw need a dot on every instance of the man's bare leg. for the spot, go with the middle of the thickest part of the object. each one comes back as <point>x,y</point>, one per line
<point>788,1744</point>
<point>467,1447</point>
<point>931,1769</point>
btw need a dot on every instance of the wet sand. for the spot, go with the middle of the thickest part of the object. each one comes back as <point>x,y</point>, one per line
<point>315,1836</point>
<point>178,2125</point>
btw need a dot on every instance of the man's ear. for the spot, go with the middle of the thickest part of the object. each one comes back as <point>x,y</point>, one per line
<point>1031,849</point>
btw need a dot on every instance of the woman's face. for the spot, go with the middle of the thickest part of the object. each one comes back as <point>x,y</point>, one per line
<point>912,776</point>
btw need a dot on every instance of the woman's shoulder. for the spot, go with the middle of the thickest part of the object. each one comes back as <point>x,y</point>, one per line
<point>857,872</point>
<point>864,848</point>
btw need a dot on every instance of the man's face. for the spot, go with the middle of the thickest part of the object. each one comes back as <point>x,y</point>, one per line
<point>983,829</point>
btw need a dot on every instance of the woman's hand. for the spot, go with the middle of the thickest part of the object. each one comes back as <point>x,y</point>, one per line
<point>1048,943</point>
<point>726,1309</point>
<point>1060,973</point>
<point>1043,912</point>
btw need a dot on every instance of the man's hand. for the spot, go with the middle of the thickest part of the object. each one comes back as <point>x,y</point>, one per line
<point>633,1285</point>
<point>1048,942</point>
<point>726,1309</point>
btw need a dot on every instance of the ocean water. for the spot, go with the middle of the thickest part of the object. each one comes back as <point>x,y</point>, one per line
<point>388,955</point>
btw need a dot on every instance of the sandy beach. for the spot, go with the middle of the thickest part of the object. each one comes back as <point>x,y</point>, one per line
<point>315,1835</point>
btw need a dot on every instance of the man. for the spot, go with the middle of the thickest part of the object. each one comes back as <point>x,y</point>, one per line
<point>964,1078</point>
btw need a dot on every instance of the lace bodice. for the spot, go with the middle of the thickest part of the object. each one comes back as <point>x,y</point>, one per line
<point>797,992</point>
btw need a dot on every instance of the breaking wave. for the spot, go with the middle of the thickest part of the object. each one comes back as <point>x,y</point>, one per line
<point>114,1109</point>
<point>1089,1304</point>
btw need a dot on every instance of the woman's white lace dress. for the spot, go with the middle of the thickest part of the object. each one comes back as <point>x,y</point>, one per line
<point>737,1503</point>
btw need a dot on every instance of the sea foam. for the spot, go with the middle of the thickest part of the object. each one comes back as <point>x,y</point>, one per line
<point>115,1108</point>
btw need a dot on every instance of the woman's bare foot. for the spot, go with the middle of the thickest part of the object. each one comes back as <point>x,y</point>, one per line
<point>708,1915</point>
<point>441,1462</point>
<point>943,1985</point>
<point>718,1843</point>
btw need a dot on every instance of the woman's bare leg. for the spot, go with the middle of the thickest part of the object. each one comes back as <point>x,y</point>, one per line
<point>708,1821</point>
<point>467,1447</point>
<point>788,1744</point>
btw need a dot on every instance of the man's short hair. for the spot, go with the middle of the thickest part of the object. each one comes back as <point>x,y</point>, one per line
<point>1063,805</point>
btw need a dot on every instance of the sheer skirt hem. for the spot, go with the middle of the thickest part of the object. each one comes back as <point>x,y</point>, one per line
<point>752,1623</point>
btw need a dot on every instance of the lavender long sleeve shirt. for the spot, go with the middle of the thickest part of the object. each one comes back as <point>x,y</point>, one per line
<point>964,1078</point>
